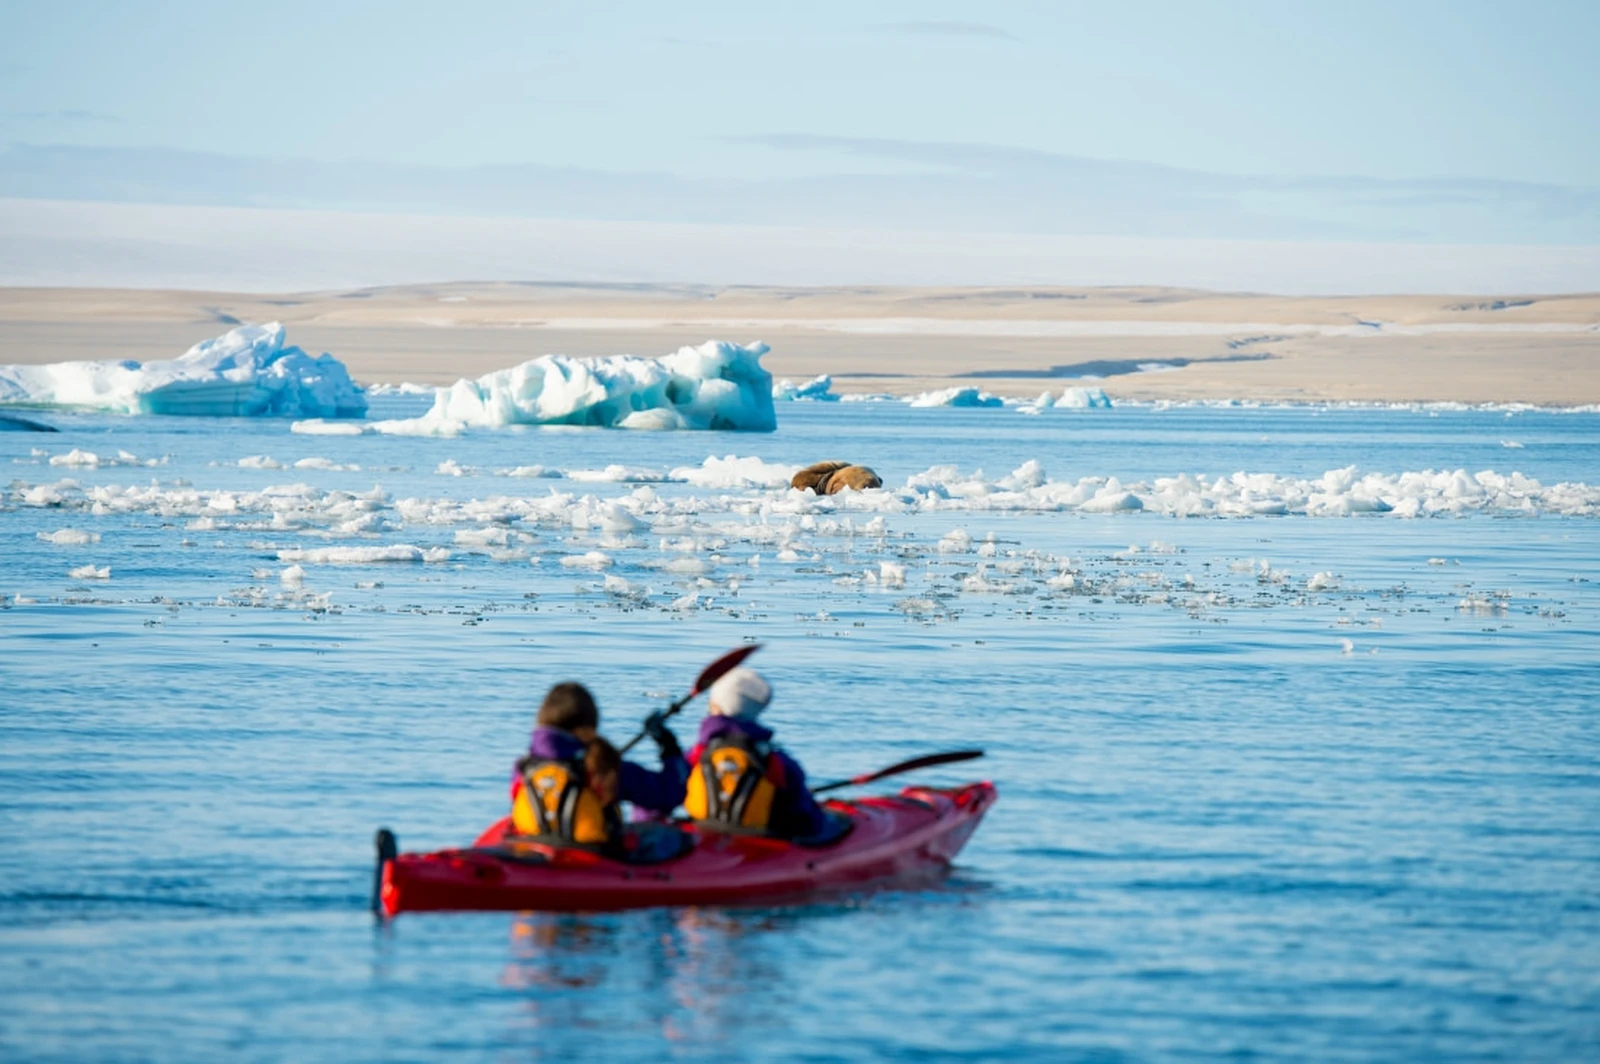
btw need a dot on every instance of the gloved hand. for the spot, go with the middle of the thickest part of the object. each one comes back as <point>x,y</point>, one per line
<point>655,726</point>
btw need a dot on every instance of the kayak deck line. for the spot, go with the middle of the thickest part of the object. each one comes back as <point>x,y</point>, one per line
<point>917,830</point>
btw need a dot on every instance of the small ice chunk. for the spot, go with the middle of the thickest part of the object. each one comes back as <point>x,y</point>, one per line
<point>494,536</point>
<point>591,560</point>
<point>91,572</point>
<point>293,576</point>
<point>956,541</point>
<point>319,427</point>
<point>70,537</point>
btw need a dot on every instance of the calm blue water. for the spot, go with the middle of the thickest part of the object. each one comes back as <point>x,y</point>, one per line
<point>1240,818</point>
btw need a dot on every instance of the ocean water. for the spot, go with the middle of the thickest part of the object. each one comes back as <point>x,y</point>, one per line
<point>1279,786</point>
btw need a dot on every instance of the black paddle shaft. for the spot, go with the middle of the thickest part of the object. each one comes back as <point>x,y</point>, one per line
<point>925,761</point>
<point>708,676</point>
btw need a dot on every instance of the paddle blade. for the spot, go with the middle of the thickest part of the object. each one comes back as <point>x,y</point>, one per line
<point>721,667</point>
<point>708,676</point>
<point>926,761</point>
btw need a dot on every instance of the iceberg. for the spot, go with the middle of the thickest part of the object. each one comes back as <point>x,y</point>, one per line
<point>714,386</point>
<point>1083,399</point>
<point>247,372</point>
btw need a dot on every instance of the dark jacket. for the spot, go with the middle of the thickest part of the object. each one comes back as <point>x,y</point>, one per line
<point>659,792</point>
<point>795,812</point>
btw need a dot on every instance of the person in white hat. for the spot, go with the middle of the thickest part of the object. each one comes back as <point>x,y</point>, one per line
<point>739,781</point>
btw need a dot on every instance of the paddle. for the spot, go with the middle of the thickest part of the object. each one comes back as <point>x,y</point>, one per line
<point>926,761</point>
<point>708,676</point>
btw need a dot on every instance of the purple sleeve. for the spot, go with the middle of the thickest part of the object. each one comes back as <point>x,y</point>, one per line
<point>660,792</point>
<point>806,814</point>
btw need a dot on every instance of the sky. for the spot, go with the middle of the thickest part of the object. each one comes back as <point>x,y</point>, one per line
<point>1420,121</point>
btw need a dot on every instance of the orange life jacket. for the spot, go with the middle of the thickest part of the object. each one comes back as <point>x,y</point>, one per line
<point>733,786</point>
<point>555,804</point>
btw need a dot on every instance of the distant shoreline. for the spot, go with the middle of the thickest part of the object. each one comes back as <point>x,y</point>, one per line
<point>1135,343</point>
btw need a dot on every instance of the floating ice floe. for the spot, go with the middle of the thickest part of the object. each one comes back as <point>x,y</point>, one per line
<point>734,472</point>
<point>591,560</point>
<point>70,537</point>
<point>318,427</point>
<point>247,372</point>
<point>714,386</point>
<point>817,389</point>
<point>400,552</point>
<point>956,397</point>
<point>403,388</point>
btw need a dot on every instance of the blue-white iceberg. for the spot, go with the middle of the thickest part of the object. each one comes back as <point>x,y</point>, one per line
<point>714,386</point>
<point>248,372</point>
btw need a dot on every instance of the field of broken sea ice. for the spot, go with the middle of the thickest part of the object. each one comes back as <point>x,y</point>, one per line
<point>1292,712</point>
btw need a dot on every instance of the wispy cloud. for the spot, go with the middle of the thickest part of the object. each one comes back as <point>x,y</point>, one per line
<point>947,187</point>
<point>947,29</point>
<point>70,115</point>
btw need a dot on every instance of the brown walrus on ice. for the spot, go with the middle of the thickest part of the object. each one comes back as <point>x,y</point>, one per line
<point>830,478</point>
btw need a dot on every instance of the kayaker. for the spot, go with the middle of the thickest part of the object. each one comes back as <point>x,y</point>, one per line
<point>566,807</point>
<point>740,781</point>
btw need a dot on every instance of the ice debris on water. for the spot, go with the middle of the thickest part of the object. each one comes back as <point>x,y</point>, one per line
<point>320,427</point>
<point>90,572</point>
<point>961,396</point>
<point>817,389</point>
<point>247,372</point>
<point>399,552</point>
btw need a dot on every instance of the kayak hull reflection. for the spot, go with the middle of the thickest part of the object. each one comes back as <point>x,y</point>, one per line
<point>916,831</point>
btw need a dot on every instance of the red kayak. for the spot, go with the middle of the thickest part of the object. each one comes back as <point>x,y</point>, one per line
<point>917,830</point>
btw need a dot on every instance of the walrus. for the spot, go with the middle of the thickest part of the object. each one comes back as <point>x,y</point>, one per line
<point>830,478</point>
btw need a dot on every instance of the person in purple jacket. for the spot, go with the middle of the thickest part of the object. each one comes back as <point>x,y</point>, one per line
<point>569,719</point>
<point>739,782</point>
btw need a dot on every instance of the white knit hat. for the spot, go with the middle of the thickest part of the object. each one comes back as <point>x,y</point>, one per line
<point>742,693</point>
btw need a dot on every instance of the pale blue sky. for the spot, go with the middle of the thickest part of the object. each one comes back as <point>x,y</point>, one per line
<point>736,100</point>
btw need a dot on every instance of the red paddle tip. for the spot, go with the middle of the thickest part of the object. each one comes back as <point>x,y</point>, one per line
<point>722,666</point>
